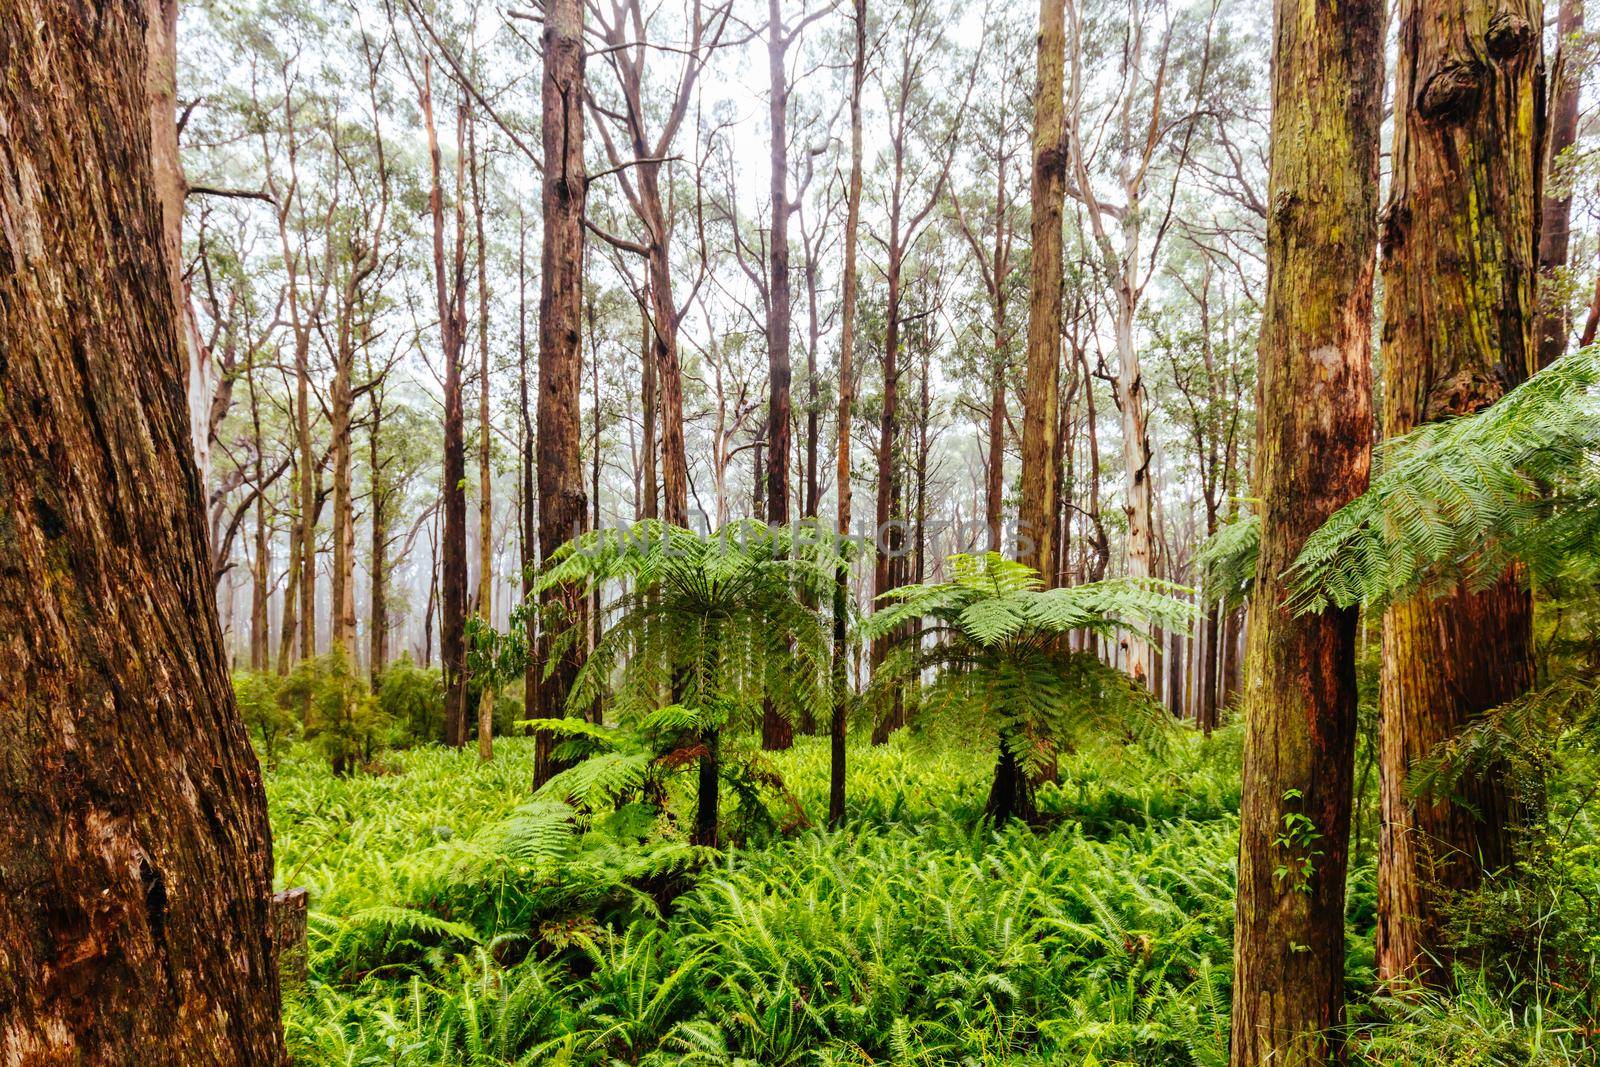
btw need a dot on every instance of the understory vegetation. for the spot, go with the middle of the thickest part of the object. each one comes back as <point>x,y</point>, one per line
<point>458,919</point>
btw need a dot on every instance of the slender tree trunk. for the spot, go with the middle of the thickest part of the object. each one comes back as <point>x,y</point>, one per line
<point>847,343</point>
<point>995,485</point>
<point>1555,227</point>
<point>776,730</point>
<point>291,595</point>
<point>450,291</point>
<point>378,621</point>
<point>1459,262</point>
<point>261,591</point>
<point>650,489</point>
<point>1040,474</point>
<point>1136,455</point>
<point>307,584</point>
<point>486,693</point>
<point>889,531</point>
<point>1313,451</point>
<point>563,504</point>
<point>529,540</point>
<point>135,852</point>
<point>342,599</point>
<point>669,377</point>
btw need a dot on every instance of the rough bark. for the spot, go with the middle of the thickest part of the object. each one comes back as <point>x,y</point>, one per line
<point>563,503</point>
<point>135,859</point>
<point>1459,262</point>
<point>1313,445</point>
<point>1555,226</point>
<point>1040,469</point>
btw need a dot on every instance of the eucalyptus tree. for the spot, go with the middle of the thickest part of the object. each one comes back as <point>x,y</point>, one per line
<point>1313,445</point>
<point>1460,261</point>
<point>135,849</point>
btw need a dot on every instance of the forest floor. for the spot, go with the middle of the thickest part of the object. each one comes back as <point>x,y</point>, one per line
<point>454,923</point>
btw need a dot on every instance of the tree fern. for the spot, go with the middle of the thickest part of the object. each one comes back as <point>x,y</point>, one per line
<point>1459,501</point>
<point>998,656</point>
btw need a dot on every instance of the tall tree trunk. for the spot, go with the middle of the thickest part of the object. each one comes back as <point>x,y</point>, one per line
<point>451,291</point>
<point>307,583</point>
<point>562,501</point>
<point>342,596</point>
<point>1011,794</point>
<point>378,621</point>
<point>1459,266</point>
<point>889,530</point>
<point>649,490</point>
<point>1313,448</point>
<point>847,345</point>
<point>529,539</point>
<point>776,730</point>
<point>485,485</point>
<point>261,566</point>
<point>1040,473</point>
<point>1555,226</point>
<point>669,377</point>
<point>135,853</point>
<point>1136,455</point>
<point>291,595</point>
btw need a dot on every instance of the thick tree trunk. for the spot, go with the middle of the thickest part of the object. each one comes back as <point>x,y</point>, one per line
<point>1313,449</point>
<point>563,504</point>
<point>1036,525</point>
<point>135,860</point>
<point>1459,266</point>
<point>1555,226</point>
<point>847,344</point>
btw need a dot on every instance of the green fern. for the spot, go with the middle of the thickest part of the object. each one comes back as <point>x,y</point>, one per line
<point>1460,501</point>
<point>998,656</point>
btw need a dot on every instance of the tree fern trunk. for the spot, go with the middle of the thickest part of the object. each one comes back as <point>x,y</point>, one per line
<point>1460,235</point>
<point>1313,450</point>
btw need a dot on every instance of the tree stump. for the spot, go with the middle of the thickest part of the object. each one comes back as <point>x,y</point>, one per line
<point>289,913</point>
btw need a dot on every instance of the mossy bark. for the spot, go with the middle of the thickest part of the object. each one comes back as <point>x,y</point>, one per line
<point>1036,527</point>
<point>1313,452</point>
<point>135,859</point>
<point>1460,239</point>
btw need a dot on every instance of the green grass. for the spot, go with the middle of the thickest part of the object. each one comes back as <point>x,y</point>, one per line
<point>455,923</point>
